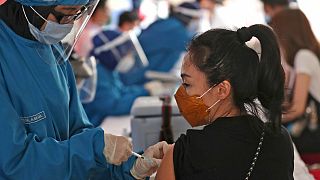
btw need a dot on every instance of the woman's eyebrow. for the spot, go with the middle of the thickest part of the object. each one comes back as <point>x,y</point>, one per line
<point>184,75</point>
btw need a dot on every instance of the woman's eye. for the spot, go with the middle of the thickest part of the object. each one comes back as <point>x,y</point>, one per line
<point>185,85</point>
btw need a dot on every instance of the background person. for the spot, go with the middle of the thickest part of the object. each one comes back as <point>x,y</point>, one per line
<point>272,7</point>
<point>112,98</point>
<point>164,41</point>
<point>128,20</point>
<point>302,53</point>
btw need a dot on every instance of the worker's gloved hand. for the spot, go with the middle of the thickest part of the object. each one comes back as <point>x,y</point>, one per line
<point>144,167</point>
<point>117,149</point>
<point>155,88</point>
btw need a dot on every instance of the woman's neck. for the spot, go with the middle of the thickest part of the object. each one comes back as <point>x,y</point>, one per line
<point>225,109</point>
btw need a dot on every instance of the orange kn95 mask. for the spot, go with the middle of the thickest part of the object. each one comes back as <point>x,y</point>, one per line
<point>192,108</point>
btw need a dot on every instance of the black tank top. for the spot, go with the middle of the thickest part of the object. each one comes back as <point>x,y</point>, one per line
<point>224,150</point>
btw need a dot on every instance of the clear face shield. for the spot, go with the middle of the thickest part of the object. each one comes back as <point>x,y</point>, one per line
<point>126,50</point>
<point>79,21</point>
<point>87,86</point>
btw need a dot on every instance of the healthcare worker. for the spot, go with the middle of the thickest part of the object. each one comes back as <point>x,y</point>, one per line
<point>45,133</point>
<point>112,97</point>
<point>164,41</point>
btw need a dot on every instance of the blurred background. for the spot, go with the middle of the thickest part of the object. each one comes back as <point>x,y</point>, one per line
<point>235,13</point>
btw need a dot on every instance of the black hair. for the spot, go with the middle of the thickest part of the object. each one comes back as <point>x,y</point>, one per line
<point>127,16</point>
<point>12,14</point>
<point>223,55</point>
<point>276,2</point>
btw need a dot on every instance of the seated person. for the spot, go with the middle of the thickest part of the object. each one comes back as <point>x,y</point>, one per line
<point>303,58</point>
<point>164,41</point>
<point>226,87</point>
<point>112,96</point>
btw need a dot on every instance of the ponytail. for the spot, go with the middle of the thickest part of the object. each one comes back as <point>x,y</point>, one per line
<point>270,74</point>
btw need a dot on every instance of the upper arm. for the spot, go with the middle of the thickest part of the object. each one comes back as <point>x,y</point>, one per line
<point>166,169</point>
<point>305,64</point>
<point>300,96</point>
<point>301,89</point>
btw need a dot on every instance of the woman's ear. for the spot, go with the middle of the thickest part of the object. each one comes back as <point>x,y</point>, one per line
<point>224,89</point>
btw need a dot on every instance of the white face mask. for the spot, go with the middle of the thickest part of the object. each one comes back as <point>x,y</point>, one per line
<point>52,33</point>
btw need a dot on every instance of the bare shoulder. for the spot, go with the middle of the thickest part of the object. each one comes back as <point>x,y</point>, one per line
<point>166,169</point>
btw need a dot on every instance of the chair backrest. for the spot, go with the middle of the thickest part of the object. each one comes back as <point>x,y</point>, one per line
<point>311,158</point>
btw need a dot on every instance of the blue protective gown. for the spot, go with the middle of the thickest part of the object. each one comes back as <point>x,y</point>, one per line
<point>163,42</point>
<point>112,96</point>
<point>44,131</point>
<point>108,58</point>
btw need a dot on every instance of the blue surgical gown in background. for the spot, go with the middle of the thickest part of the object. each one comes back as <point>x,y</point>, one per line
<point>44,131</point>
<point>110,58</point>
<point>112,96</point>
<point>163,42</point>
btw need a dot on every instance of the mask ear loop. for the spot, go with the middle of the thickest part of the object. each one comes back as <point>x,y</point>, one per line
<point>205,92</point>
<point>209,121</point>
<point>25,15</point>
<point>39,54</point>
<point>38,14</point>
<point>213,105</point>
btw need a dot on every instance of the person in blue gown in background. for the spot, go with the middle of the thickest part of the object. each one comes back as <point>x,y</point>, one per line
<point>112,96</point>
<point>45,132</point>
<point>164,41</point>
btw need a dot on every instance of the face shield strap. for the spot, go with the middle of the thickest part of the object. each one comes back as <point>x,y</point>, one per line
<point>124,37</point>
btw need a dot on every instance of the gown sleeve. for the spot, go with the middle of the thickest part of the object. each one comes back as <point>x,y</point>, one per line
<point>79,123</point>
<point>24,156</point>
